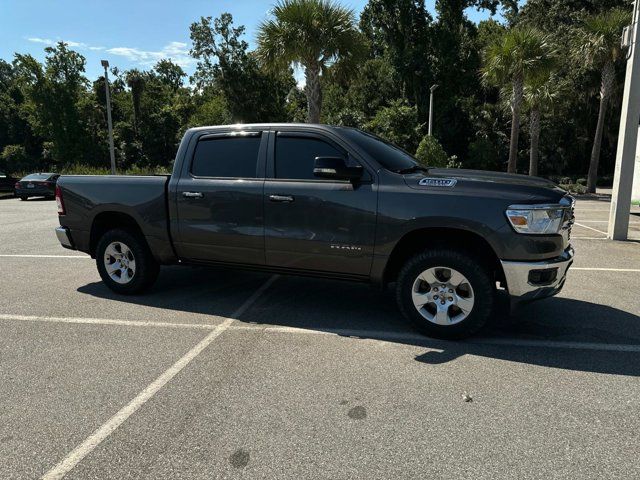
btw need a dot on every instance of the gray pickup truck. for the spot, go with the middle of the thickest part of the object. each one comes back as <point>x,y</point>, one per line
<point>331,202</point>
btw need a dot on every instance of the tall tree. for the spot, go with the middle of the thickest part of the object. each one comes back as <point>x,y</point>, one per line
<point>313,34</point>
<point>170,73</point>
<point>597,42</point>
<point>225,64</point>
<point>54,94</point>
<point>135,81</point>
<point>540,93</point>
<point>401,31</point>
<point>520,53</point>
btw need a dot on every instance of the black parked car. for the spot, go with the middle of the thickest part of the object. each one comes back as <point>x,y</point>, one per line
<point>37,185</point>
<point>7,182</point>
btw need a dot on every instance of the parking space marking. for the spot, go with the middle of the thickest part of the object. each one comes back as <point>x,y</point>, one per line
<point>82,450</point>
<point>107,321</point>
<point>383,335</point>
<point>44,256</point>
<point>591,228</point>
<point>593,269</point>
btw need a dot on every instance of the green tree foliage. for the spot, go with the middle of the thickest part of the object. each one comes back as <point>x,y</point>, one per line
<point>55,93</point>
<point>520,54</point>
<point>313,34</point>
<point>431,154</point>
<point>398,124</point>
<point>597,44</point>
<point>226,65</point>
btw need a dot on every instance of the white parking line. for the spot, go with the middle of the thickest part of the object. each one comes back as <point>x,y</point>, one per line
<point>82,450</point>
<point>108,321</point>
<point>44,256</point>
<point>591,228</point>
<point>384,335</point>
<point>591,269</point>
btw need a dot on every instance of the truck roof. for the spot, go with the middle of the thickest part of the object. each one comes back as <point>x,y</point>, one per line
<point>240,126</point>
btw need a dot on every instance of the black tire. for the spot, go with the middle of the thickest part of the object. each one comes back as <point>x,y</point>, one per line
<point>476,272</point>
<point>24,198</point>
<point>146,267</point>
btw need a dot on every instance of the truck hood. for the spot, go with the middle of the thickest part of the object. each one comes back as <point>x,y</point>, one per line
<point>493,177</point>
<point>484,183</point>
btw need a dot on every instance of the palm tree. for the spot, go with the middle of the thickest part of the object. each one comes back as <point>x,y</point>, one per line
<point>135,81</point>
<point>519,54</point>
<point>540,93</point>
<point>597,43</point>
<point>310,33</point>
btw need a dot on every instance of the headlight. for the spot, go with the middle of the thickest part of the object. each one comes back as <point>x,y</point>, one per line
<point>536,219</point>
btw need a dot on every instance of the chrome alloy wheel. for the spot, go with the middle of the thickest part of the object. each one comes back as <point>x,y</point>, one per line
<point>443,296</point>
<point>119,262</point>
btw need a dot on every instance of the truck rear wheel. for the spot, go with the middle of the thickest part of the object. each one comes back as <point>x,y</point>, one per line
<point>446,293</point>
<point>125,263</point>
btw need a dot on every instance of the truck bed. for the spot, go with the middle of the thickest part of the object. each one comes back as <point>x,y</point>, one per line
<point>88,200</point>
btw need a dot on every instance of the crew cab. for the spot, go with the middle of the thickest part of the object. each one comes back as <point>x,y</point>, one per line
<point>332,202</point>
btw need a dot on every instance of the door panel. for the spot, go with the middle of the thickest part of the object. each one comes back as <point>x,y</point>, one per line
<point>222,219</point>
<point>327,227</point>
<point>313,224</point>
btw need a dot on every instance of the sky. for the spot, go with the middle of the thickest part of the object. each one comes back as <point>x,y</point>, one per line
<point>133,33</point>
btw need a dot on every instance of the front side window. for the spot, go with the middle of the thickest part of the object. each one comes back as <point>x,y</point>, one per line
<point>226,157</point>
<point>295,156</point>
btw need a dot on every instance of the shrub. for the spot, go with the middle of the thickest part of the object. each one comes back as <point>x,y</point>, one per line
<point>431,154</point>
<point>14,159</point>
<point>582,181</point>
<point>397,124</point>
<point>574,188</point>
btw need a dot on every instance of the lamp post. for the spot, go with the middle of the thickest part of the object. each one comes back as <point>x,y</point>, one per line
<point>433,89</point>
<point>627,136</point>
<point>112,153</point>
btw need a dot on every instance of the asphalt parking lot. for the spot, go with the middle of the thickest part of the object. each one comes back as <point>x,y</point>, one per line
<point>223,374</point>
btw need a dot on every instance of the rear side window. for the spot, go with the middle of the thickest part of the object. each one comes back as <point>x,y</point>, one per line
<point>295,156</point>
<point>226,157</point>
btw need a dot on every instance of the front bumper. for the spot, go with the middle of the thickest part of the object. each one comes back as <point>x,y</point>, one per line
<point>528,281</point>
<point>64,237</point>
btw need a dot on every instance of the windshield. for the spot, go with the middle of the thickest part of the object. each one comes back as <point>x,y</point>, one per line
<point>388,155</point>
<point>38,176</point>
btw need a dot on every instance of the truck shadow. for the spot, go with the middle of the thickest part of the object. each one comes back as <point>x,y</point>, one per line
<point>358,311</point>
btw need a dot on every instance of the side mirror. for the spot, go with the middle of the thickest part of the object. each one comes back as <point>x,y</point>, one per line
<point>335,168</point>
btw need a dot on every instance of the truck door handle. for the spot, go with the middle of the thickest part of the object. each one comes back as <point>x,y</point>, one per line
<point>192,195</point>
<point>281,198</point>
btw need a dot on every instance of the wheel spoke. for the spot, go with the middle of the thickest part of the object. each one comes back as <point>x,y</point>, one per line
<point>442,316</point>
<point>456,278</point>
<point>111,251</point>
<point>111,268</point>
<point>464,304</point>
<point>429,276</point>
<point>421,299</point>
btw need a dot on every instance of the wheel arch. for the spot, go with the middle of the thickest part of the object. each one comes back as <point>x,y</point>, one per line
<point>105,221</point>
<point>421,239</point>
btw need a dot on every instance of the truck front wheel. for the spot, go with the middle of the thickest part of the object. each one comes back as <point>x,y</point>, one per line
<point>446,293</point>
<point>125,263</point>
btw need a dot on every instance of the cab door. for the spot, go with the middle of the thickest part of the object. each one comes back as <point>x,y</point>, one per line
<point>219,201</point>
<point>311,223</point>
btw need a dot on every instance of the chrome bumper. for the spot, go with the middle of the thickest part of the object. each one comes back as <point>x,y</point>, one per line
<point>63,237</point>
<point>534,280</point>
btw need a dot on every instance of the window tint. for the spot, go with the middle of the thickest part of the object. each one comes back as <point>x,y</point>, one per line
<point>37,176</point>
<point>295,156</point>
<point>388,155</point>
<point>228,157</point>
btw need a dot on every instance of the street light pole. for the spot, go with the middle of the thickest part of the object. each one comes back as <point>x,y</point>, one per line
<point>433,89</point>
<point>627,136</point>
<point>112,153</point>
